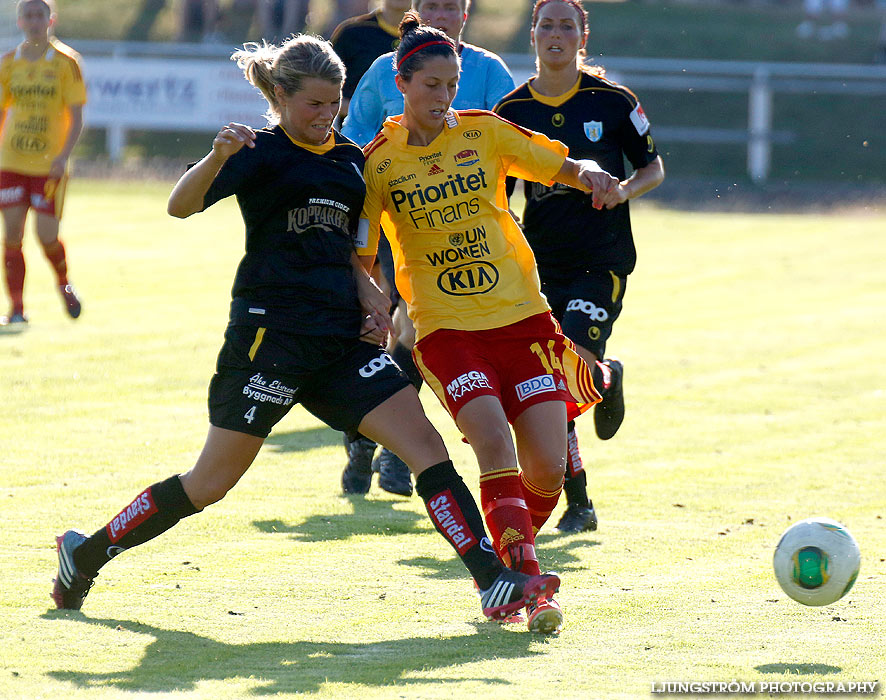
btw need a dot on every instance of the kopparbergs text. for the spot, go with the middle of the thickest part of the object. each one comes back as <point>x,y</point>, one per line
<point>770,687</point>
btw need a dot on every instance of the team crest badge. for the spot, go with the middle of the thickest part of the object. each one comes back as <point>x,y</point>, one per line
<point>594,131</point>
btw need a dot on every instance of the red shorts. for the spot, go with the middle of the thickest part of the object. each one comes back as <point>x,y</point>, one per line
<point>522,364</point>
<point>39,192</point>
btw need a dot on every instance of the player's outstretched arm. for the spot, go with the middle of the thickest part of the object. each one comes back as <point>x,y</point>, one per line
<point>587,176</point>
<point>187,195</point>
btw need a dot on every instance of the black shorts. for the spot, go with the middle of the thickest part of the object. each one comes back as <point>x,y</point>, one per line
<point>586,307</point>
<point>262,373</point>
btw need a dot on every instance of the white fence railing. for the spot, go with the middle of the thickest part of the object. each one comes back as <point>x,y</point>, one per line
<point>195,87</point>
<point>759,80</point>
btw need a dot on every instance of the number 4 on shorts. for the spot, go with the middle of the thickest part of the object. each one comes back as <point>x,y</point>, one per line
<point>250,415</point>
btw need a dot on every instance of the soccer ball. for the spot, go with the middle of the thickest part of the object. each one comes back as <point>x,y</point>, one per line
<point>816,561</point>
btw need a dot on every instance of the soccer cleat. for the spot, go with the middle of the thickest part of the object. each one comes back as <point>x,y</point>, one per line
<point>578,519</point>
<point>513,590</point>
<point>69,586</point>
<point>357,475</point>
<point>610,412</point>
<point>13,319</point>
<point>393,474</point>
<point>72,301</point>
<point>544,616</point>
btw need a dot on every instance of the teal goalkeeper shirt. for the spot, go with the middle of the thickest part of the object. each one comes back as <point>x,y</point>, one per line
<point>483,80</point>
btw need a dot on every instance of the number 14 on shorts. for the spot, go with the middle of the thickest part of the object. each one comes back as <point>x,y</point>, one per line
<point>549,359</point>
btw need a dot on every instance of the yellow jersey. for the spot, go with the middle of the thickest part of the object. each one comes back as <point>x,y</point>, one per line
<point>460,258</point>
<point>35,96</point>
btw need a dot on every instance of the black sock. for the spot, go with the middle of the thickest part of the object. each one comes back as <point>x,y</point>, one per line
<point>576,490</point>
<point>454,513</point>
<point>153,512</point>
<point>403,357</point>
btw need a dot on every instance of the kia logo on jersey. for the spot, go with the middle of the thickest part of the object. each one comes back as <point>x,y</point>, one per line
<point>476,277</point>
<point>466,157</point>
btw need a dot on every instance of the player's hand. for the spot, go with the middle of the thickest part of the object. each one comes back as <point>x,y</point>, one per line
<point>371,332</point>
<point>232,138</point>
<point>617,195</point>
<point>374,302</point>
<point>597,180</point>
<point>58,167</point>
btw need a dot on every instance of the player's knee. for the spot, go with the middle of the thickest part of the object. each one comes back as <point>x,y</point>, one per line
<point>546,471</point>
<point>494,447</point>
<point>203,493</point>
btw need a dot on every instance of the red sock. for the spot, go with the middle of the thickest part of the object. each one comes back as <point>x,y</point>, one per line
<point>14,262</point>
<point>541,503</point>
<point>508,520</point>
<point>55,253</point>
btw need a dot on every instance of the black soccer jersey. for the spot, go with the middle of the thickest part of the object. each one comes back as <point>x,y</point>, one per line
<point>300,209</point>
<point>596,119</point>
<point>359,41</point>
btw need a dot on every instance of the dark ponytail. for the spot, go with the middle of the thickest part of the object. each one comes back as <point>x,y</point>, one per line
<point>418,42</point>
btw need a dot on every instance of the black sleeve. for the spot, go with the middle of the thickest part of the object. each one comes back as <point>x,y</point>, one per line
<point>638,148</point>
<point>238,169</point>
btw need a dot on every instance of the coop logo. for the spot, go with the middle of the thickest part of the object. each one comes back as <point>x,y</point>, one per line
<point>537,385</point>
<point>377,364</point>
<point>468,279</point>
<point>469,381</point>
<point>383,166</point>
<point>134,514</point>
<point>466,157</point>
<point>586,307</point>
<point>473,134</point>
<point>449,518</point>
<point>11,194</point>
<point>29,144</point>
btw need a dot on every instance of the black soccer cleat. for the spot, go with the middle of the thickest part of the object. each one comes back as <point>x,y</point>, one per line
<point>69,586</point>
<point>578,519</point>
<point>71,299</point>
<point>610,412</point>
<point>513,590</point>
<point>393,474</point>
<point>357,476</point>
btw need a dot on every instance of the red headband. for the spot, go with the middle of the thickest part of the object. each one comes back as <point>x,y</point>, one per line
<point>420,47</point>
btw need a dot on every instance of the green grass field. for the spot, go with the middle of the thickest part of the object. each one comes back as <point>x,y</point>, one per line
<point>755,381</point>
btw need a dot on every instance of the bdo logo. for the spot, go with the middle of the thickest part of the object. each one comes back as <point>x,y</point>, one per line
<point>475,277</point>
